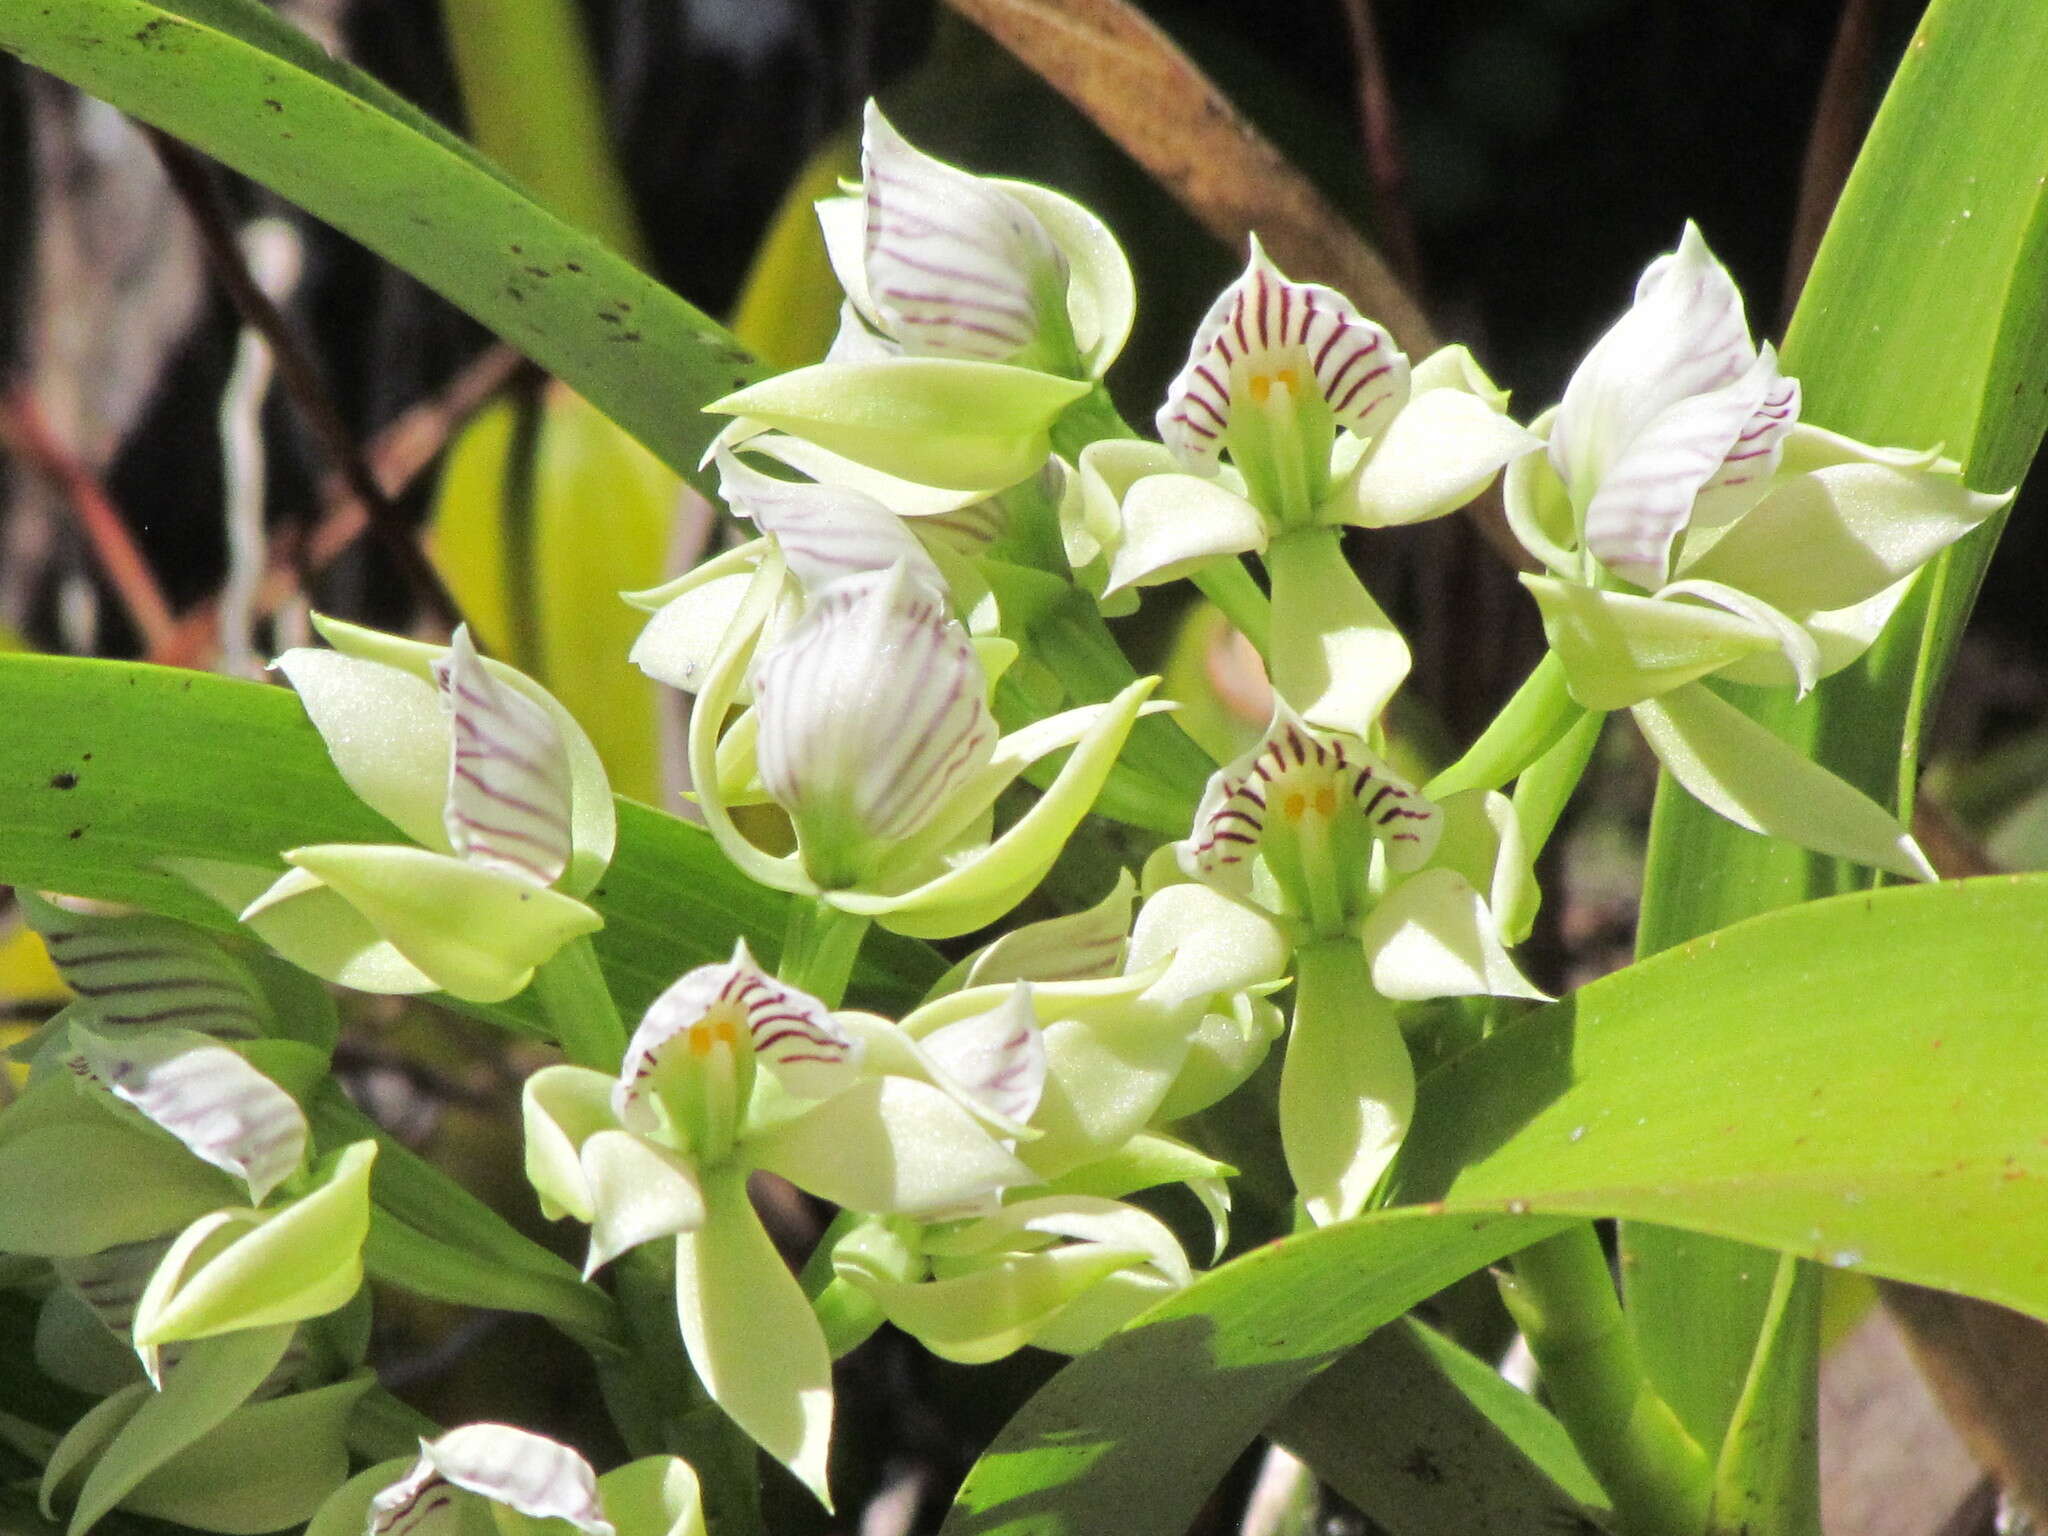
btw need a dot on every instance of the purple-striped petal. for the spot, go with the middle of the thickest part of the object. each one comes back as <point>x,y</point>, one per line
<point>871,713</point>
<point>508,786</point>
<point>955,267</point>
<point>1265,331</point>
<point>997,1058</point>
<point>540,1478</point>
<point>825,532</point>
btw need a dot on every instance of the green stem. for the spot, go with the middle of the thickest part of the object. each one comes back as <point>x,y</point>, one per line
<point>530,94</point>
<point>819,948</point>
<point>1228,585</point>
<point>1529,724</point>
<point>1089,419</point>
<point>661,1408</point>
<point>1561,1295</point>
<point>579,1006</point>
<point>1543,789</point>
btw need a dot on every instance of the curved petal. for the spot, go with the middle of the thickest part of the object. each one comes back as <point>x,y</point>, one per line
<point>1173,525</point>
<point>1440,451</point>
<point>1339,672</point>
<point>1539,510</point>
<point>1102,298</point>
<point>825,532</point>
<point>539,1478</point>
<point>1347,1087</point>
<point>640,1192</point>
<point>1739,770</point>
<point>225,1111</point>
<point>997,1057</point>
<point>562,1107</point>
<point>1076,947</point>
<point>888,1145</point>
<point>945,422</point>
<point>385,730</point>
<point>956,266</point>
<point>1619,649</point>
<point>682,640</point>
<point>311,926</point>
<point>1264,325</point>
<point>1432,936</point>
<point>654,1496</point>
<point>906,498</point>
<point>752,1336</point>
<point>509,790</point>
<point>1801,654</point>
<point>479,934</point>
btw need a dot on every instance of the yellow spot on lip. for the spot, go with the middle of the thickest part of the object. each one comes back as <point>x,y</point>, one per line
<point>710,1032</point>
<point>1295,807</point>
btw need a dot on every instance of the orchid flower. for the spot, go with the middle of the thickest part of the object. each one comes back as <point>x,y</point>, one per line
<point>495,1476</point>
<point>977,311</point>
<point>871,730</point>
<point>1324,425</point>
<point>730,1071</point>
<point>1381,892</point>
<point>1692,526</point>
<point>501,791</point>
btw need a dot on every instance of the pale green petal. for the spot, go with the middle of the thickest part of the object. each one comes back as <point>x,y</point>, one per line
<point>1443,449</point>
<point>989,1313</point>
<point>654,1496</point>
<point>563,1107</point>
<point>888,1145</point>
<point>1225,1048</point>
<point>478,933</point>
<point>385,730</point>
<point>593,818</point>
<point>1339,672</point>
<point>1432,936</point>
<point>752,1336</point>
<point>1102,1309</point>
<point>1173,525</point>
<point>640,1192</point>
<point>346,1511</point>
<point>906,498</point>
<point>1619,649</point>
<point>1105,1080</point>
<point>1739,770</point>
<point>1210,944</point>
<point>1102,298</point>
<point>948,422</point>
<point>1081,1218</point>
<point>1092,524</point>
<point>1347,1088</point>
<point>995,880</point>
<point>1796,647</point>
<point>681,641</point>
<point>1838,536</point>
<point>1071,948</point>
<point>743,560</point>
<point>225,1111</point>
<point>1454,367</point>
<point>245,1269</point>
<point>1539,509</point>
<point>309,925</point>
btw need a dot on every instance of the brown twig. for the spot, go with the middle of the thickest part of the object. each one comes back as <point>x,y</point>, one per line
<point>397,456</point>
<point>28,435</point>
<point>1838,123</point>
<point>1379,132</point>
<point>191,177</point>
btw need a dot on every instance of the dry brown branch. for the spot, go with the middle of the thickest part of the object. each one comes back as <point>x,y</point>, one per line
<point>1838,122</point>
<point>1134,83</point>
<point>28,436</point>
<point>1379,134</point>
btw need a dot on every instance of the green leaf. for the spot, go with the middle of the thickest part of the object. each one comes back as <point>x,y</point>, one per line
<point>1132,1436</point>
<point>1426,1438</point>
<point>228,77</point>
<point>1865,1109</point>
<point>1768,1482</point>
<point>108,767</point>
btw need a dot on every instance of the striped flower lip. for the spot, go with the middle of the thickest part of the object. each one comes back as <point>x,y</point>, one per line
<point>1271,343</point>
<point>527,1473</point>
<point>1675,419</point>
<point>871,714</point>
<point>509,782</point>
<point>1302,809</point>
<point>716,1022</point>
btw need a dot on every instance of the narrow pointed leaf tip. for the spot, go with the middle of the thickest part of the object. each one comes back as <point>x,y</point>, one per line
<point>1672,405</point>
<point>534,1476</point>
<point>871,713</point>
<point>953,265</point>
<point>508,806</point>
<point>1265,332</point>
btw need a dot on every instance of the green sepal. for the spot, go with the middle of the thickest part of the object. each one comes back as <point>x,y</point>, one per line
<point>1347,1088</point>
<point>1619,649</point>
<point>1337,658</point>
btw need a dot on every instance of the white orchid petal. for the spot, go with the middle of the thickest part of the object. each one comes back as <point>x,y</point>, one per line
<point>1454,367</point>
<point>825,532</point>
<point>136,971</point>
<point>1347,1095</point>
<point>1261,324</point>
<point>1794,643</point>
<point>225,1111</point>
<point>1102,298</point>
<point>1440,451</point>
<point>1739,770</point>
<point>906,498</point>
<point>1172,525</point>
<point>872,712</point>
<point>956,267</point>
<point>1432,936</point>
<point>639,1192</point>
<point>538,1477</point>
<point>509,789</point>
<point>1539,509</point>
<point>1212,946</point>
<point>843,222</point>
<point>386,732</point>
<point>681,642</point>
<point>1760,445</point>
<point>998,1057</point>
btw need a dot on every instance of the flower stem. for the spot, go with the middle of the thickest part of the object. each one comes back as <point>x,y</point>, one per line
<point>1546,785</point>
<point>819,948</point>
<point>1530,723</point>
<point>1561,1295</point>
<point>1228,585</point>
<point>579,1007</point>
